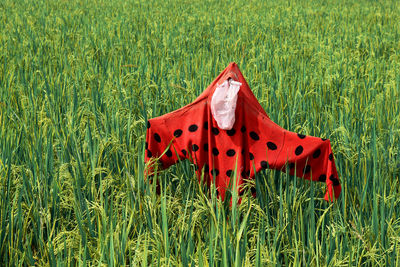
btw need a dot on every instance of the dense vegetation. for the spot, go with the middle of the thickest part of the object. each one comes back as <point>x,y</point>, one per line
<point>78,80</point>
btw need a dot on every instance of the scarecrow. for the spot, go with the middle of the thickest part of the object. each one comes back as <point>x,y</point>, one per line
<point>226,132</point>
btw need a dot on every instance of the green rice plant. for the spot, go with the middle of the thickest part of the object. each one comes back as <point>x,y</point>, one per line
<point>79,80</point>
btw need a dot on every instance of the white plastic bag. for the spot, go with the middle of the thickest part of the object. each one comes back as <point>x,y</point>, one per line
<point>223,103</point>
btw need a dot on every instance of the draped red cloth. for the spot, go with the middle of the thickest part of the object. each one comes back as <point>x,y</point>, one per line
<point>255,142</point>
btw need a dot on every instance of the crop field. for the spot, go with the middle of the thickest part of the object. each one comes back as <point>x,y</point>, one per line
<point>79,79</point>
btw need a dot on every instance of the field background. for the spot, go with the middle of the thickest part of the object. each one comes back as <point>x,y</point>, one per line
<point>78,80</point>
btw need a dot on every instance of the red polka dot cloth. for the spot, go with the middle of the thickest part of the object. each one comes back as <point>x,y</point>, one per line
<point>255,142</point>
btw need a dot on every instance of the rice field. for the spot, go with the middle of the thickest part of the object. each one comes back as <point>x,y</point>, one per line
<point>79,79</point>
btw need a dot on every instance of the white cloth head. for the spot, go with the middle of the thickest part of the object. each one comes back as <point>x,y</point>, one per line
<point>223,103</point>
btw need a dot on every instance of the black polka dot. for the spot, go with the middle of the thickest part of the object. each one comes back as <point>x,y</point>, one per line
<point>149,154</point>
<point>307,169</point>
<point>148,124</point>
<point>292,165</point>
<point>215,130</point>
<point>230,153</point>
<point>316,153</point>
<point>215,151</point>
<point>330,156</point>
<point>193,128</point>
<point>146,145</point>
<point>229,173</point>
<point>324,139</point>
<point>334,180</point>
<point>205,147</point>
<point>231,132</point>
<point>271,146</point>
<point>157,137</point>
<point>215,172</point>
<point>301,136</point>
<point>322,178</point>
<point>254,136</point>
<point>206,167</point>
<point>178,133</point>
<point>205,125</point>
<point>243,173</point>
<point>195,147</point>
<point>264,164</point>
<point>243,129</point>
<point>243,151</point>
<point>184,152</point>
<point>168,153</point>
<point>251,156</point>
<point>298,150</point>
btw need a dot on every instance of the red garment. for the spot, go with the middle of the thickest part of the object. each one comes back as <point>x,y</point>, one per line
<point>255,141</point>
